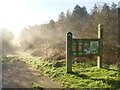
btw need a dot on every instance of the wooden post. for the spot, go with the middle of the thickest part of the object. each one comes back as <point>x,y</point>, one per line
<point>69,52</point>
<point>100,36</point>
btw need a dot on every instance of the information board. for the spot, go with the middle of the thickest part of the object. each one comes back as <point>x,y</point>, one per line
<point>76,47</point>
<point>84,47</point>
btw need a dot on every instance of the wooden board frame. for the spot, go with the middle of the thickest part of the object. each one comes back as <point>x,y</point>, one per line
<point>69,46</point>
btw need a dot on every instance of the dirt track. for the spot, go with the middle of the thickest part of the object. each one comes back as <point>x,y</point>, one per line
<point>19,75</point>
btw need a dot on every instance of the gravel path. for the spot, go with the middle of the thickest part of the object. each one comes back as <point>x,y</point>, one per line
<point>16,74</point>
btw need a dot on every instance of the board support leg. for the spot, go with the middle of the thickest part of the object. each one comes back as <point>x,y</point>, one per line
<point>100,36</point>
<point>69,52</point>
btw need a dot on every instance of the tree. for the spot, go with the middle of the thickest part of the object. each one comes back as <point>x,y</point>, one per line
<point>113,6</point>
<point>105,8</point>
<point>52,24</point>
<point>79,12</point>
<point>7,37</point>
<point>95,9</point>
<point>76,12</point>
<point>82,24</point>
<point>68,14</point>
<point>61,16</point>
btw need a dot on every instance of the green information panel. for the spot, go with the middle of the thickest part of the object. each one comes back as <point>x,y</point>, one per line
<point>80,47</point>
<point>94,47</point>
<point>84,47</point>
<point>74,47</point>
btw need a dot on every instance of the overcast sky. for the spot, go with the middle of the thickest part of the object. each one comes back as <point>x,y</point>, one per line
<point>16,14</point>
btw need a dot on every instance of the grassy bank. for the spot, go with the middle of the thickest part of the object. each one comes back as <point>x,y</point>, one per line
<point>85,75</point>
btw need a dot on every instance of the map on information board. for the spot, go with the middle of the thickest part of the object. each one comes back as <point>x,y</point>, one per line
<point>86,46</point>
<point>94,47</point>
<point>83,47</point>
<point>74,47</point>
<point>80,48</point>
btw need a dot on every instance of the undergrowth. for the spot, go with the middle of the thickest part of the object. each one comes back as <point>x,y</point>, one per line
<point>85,75</point>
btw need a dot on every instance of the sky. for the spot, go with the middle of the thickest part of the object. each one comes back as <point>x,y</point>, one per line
<point>17,14</point>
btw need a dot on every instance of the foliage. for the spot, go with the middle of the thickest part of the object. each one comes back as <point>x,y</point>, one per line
<point>85,75</point>
<point>45,39</point>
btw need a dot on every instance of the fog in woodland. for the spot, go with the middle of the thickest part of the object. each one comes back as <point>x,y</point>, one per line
<point>49,40</point>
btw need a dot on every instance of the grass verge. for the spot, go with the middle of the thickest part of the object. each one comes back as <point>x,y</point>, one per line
<point>85,75</point>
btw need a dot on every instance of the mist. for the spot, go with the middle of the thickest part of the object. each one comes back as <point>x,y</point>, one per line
<point>6,45</point>
<point>49,40</point>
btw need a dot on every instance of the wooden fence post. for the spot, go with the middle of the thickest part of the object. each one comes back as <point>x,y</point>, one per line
<point>69,52</point>
<point>100,36</point>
